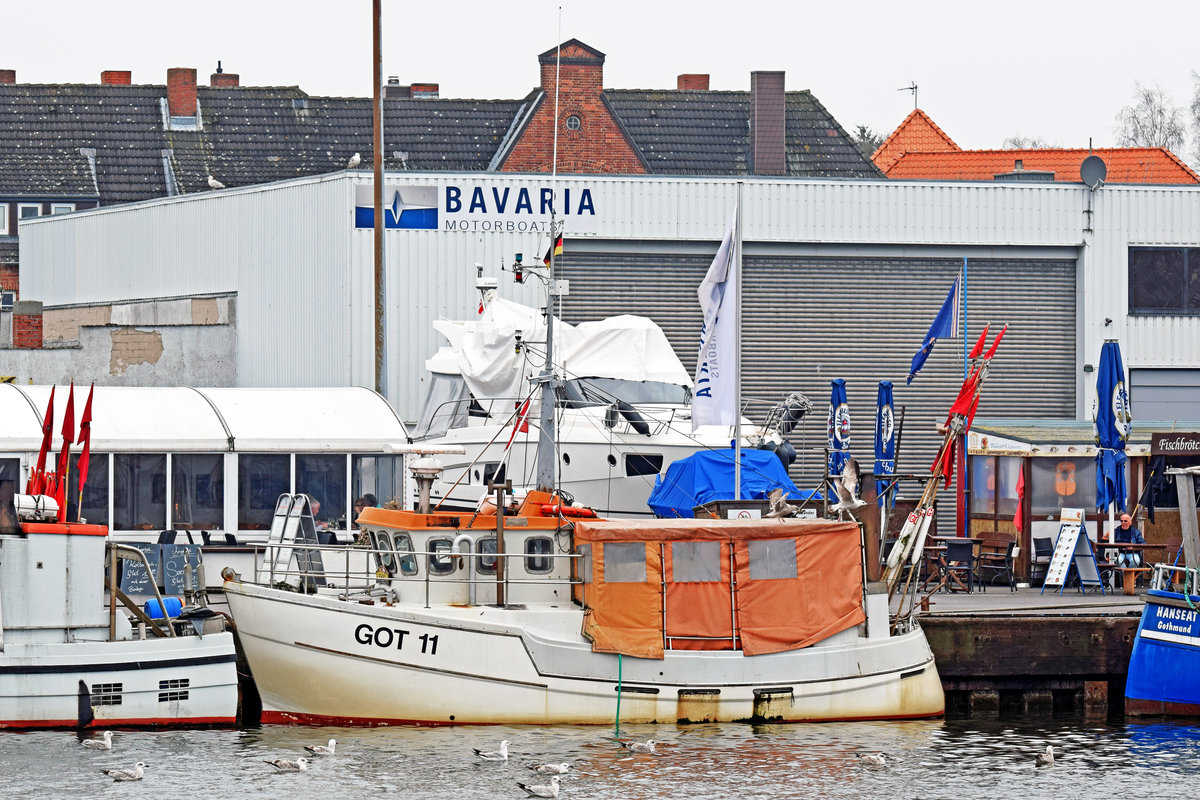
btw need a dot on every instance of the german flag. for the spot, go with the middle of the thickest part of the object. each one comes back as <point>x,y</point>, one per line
<point>557,250</point>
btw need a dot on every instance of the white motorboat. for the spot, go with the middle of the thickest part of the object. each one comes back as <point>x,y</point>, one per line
<point>69,659</point>
<point>578,620</point>
<point>622,408</point>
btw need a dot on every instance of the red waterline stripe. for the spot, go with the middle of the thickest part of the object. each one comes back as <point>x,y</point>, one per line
<point>117,723</point>
<point>293,718</point>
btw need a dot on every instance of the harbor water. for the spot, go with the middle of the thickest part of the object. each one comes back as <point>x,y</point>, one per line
<point>934,759</point>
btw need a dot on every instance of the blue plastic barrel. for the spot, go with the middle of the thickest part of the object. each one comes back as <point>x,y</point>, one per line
<point>153,611</point>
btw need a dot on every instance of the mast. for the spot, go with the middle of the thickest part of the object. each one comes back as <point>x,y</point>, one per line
<point>547,455</point>
<point>377,124</point>
<point>737,347</point>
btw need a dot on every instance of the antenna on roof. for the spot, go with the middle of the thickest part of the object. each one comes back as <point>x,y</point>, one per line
<point>912,87</point>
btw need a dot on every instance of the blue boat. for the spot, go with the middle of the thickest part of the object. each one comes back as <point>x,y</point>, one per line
<point>1166,652</point>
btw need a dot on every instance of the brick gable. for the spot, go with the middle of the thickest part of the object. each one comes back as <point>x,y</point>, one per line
<point>599,145</point>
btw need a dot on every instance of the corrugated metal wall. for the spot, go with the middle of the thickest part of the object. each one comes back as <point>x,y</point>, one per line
<point>808,319</point>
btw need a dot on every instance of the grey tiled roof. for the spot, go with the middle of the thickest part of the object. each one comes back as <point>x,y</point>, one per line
<point>8,250</point>
<point>708,133</point>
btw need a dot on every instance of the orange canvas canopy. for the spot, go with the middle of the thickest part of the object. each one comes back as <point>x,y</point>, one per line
<point>762,586</point>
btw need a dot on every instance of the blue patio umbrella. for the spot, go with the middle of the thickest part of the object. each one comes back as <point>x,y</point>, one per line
<point>839,427</point>
<point>1112,428</point>
<point>885,439</point>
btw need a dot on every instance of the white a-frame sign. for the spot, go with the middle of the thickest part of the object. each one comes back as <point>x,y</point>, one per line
<point>1073,549</point>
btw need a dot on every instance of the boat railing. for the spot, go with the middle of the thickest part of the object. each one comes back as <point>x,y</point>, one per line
<point>362,572</point>
<point>501,410</point>
<point>1175,578</point>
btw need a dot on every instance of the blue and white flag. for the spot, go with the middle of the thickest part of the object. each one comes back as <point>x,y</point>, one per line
<point>715,399</point>
<point>839,427</point>
<point>885,440</point>
<point>945,326</point>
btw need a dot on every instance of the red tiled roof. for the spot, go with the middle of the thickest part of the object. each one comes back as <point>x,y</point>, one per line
<point>916,133</point>
<point>1125,164</point>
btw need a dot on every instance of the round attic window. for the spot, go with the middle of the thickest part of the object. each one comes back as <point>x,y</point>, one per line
<point>574,123</point>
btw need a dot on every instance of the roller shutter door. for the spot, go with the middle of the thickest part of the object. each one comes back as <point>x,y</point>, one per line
<point>808,320</point>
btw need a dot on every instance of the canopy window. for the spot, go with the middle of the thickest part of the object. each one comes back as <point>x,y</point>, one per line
<point>139,492</point>
<point>759,586</point>
<point>261,479</point>
<point>198,491</point>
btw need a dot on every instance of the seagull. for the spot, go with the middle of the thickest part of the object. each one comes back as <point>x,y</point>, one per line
<point>1045,759</point>
<point>549,790</point>
<point>103,743</point>
<point>497,755</point>
<point>134,774</point>
<point>551,769</point>
<point>354,161</point>
<point>322,749</point>
<point>779,506</point>
<point>847,488</point>
<point>872,759</point>
<point>640,747</point>
<point>213,183</point>
<point>287,765</point>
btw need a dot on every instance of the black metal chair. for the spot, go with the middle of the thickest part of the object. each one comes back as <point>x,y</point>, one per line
<point>1043,549</point>
<point>959,565</point>
<point>998,565</point>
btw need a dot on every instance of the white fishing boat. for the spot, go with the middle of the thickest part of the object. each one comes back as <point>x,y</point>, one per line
<point>68,658</point>
<point>622,409</point>
<point>578,620</point>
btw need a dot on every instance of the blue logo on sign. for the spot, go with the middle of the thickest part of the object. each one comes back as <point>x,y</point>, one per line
<point>409,208</point>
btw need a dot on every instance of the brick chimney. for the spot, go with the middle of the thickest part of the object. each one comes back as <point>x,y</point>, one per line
<point>767,123</point>
<point>223,78</point>
<point>424,90</point>
<point>181,91</point>
<point>692,82</point>
<point>116,77</point>
<point>8,76</point>
<point>27,325</point>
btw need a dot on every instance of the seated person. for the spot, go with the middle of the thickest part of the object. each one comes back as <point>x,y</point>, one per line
<point>366,501</point>
<point>1127,534</point>
<point>315,505</point>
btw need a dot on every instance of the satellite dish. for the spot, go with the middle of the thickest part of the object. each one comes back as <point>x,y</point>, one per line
<point>1093,171</point>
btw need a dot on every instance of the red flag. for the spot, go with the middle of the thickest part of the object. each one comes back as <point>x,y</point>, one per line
<point>992,350</point>
<point>85,438</point>
<point>1018,520</point>
<point>978,348</point>
<point>64,457</point>
<point>521,425</point>
<point>37,481</point>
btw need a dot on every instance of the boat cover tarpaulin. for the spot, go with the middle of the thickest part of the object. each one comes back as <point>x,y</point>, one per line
<point>708,475</point>
<point>795,583</point>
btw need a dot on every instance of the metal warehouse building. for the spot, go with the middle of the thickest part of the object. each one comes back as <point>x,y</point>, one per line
<point>842,279</point>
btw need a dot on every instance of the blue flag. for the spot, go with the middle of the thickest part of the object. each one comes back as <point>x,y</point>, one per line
<point>885,439</point>
<point>945,326</point>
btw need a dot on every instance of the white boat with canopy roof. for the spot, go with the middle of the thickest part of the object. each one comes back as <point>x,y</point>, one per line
<point>622,409</point>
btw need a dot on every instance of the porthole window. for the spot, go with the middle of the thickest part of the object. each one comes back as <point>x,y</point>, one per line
<point>486,560</point>
<point>612,460</point>
<point>537,554</point>
<point>574,123</point>
<point>441,562</point>
<point>567,459</point>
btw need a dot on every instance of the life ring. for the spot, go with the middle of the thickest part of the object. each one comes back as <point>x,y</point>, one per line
<point>554,509</point>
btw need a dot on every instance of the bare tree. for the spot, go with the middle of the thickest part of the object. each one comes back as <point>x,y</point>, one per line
<point>1019,142</point>
<point>1151,120</point>
<point>1195,120</point>
<point>866,140</point>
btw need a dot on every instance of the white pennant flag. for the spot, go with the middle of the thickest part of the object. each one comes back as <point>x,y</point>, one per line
<point>715,398</point>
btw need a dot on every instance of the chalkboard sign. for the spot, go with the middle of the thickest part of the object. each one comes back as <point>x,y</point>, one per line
<point>134,578</point>
<point>175,558</point>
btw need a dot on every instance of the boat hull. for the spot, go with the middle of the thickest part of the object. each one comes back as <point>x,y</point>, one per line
<point>185,680</point>
<point>1165,658</point>
<point>319,660</point>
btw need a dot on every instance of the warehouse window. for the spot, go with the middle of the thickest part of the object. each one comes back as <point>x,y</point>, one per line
<point>1164,280</point>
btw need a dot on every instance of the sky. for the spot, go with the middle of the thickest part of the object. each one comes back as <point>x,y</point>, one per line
<point>1055,69</point>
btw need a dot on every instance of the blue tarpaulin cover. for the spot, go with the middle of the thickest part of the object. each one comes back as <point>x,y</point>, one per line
<point>708,475</point>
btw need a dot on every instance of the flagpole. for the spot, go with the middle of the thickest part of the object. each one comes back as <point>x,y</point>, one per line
<point>964,488</point>
<point>737,348</point>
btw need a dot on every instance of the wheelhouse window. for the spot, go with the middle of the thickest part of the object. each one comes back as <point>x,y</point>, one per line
<point>538,552</point>
<point>139,491</point>
<point>198,491</point>
<point>323,478</point>
<point>261,479</point>
<point>441,562</point>
<point>1164,280</point>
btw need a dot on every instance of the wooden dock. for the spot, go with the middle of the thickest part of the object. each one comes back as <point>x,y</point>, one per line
<point>1029,653</point>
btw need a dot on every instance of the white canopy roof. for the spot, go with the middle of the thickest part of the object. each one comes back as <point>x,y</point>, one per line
<point>186,419</point>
